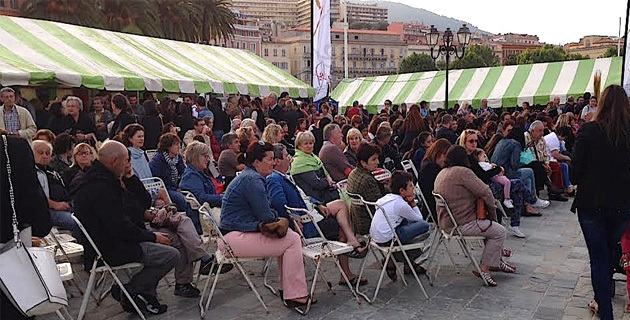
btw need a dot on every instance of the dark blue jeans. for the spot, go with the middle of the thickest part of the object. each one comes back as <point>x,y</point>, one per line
<point>602,229</point>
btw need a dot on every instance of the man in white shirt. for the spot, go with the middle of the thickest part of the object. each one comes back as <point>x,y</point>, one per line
<point>555,145</point>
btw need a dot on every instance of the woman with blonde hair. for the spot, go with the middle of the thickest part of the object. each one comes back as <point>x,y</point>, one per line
<point>82,157</point>
<point>273,134</point>
<point>245,136</point>
<point>354,139</point>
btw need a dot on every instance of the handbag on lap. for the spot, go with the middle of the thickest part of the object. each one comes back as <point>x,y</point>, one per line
<point>29,276</point>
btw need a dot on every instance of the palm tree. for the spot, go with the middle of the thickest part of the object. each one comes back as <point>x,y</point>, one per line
<point>218,20</point>
<point>179,19</point>
<point>79,12</point>
<point>132,16</point>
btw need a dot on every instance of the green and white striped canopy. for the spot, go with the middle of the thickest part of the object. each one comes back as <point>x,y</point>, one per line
<point>34,52</point>
<point>503,86</point>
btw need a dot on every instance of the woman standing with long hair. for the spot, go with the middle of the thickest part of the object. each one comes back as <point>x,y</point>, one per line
<point>601,170</point>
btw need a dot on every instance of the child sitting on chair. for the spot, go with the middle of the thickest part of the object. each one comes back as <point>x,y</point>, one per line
<point>405,217</point>
<point>500,178</point>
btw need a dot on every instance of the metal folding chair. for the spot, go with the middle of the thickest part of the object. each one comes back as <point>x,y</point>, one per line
<point>104,269</point>
<point>318,250</point>
<point>154,184</point>
<point>394,246</point>
<point>151,153</point>
<point>225,256</point>
<point>410,167</point>
<point>455,235</point>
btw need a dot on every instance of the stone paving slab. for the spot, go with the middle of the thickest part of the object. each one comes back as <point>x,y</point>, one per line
<point>552,282</point>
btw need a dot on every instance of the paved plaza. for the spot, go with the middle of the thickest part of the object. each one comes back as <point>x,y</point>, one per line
<point>552,282</point>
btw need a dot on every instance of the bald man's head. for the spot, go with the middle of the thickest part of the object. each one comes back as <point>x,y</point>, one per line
<point>115,157</point>
<point>42,151</point>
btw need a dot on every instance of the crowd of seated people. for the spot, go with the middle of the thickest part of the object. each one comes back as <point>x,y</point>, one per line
<point>511,158</point>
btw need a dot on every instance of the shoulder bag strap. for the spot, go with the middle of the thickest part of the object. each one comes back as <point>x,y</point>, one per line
<point>16,231</point>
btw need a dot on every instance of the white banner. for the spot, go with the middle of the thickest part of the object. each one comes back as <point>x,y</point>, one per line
<point>322,52</point>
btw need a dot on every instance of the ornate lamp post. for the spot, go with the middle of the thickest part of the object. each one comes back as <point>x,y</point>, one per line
<point>448,48</point>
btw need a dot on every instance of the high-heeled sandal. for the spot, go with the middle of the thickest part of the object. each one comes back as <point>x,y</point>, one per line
<point>504,267</point>
<point>487,277</point>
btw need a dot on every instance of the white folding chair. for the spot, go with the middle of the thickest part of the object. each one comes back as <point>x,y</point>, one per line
<point>221,257</point>
<point>64,246</point>
<point>505,218</point>
<point>455,235</point>
<point>154,184</point>
<point>342,185</point>
<point>410,167</point>
<point>318,250</point>
<point>151,153</point>
<point>394,246</point>
<point>104,269</point>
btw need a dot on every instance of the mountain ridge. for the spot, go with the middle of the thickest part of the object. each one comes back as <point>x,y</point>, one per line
<point>399,12</point>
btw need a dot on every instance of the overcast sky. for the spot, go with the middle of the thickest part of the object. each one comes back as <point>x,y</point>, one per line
<point>554,21</point>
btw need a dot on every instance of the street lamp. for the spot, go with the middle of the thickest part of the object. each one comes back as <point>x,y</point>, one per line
<point>448,48</point>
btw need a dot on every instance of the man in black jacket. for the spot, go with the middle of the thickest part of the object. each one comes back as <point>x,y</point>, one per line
<point>110,203</point>
<point>445,130</point>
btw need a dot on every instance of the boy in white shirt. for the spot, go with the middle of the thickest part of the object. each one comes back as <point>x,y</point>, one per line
<point>404,215</point>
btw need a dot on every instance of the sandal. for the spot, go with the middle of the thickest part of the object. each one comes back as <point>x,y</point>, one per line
<point>487,277</point>
<point>295,304</point>
<point>532,214</point>
<point>504,267</point>
<point>506,253</point>
<point>356,254</point>
<point>353,282</point>
<point>594,307</point>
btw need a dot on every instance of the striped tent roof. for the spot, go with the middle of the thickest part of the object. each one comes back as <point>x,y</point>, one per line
<point>502,86</point>
<point>34,52</point>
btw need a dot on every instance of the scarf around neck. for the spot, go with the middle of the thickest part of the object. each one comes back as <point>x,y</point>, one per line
<point>306,162</point>
<point>172,164</point>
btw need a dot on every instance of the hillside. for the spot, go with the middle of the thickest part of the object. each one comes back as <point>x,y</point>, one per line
<point>405,13</point>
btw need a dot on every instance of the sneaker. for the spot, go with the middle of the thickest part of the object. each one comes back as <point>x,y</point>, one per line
<point>186,290</point>
<point>508,203</point>
<point>540,203</point>
<point>151,304</point>
<point>516,231</point>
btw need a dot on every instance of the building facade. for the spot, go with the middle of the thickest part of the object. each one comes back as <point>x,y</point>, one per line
<point>247,35</point>
<point>370,13</point>
<point>512,44</point>
<point>594,46</point>
<point>370,53</point>
<point>10,7</point>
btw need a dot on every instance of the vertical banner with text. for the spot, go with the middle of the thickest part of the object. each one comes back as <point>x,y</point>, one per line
<point>322,52</point>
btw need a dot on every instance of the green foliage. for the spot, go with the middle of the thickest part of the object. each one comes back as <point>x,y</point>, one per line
<point>476,56</point>
<point>548,53</point>
<point>611,52</point>
<point>417,63</point>
<point>185,20</point>
<point>512,60</point>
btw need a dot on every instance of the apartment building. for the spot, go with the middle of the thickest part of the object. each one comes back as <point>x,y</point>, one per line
<point>593,46</point>
<point>509,44</point>
<point>370,53</point>
<point>370,13</point>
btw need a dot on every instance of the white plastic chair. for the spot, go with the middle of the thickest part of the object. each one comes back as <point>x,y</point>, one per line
<point>221,257</point>
<point>394,246</point>
<point>104,269</point>
<point>154,184</point>
<point>151,153</point>
<point>318,250</point>
<point>455,235</point>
